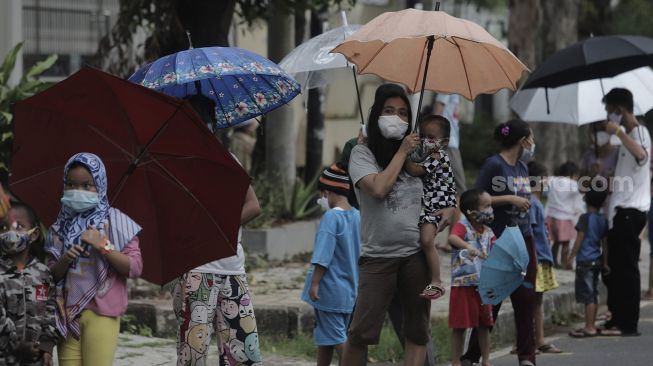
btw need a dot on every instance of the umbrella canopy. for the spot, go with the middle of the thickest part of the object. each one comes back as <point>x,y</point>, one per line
<point>242,84</point>
<point>164,167</point>
<point>580,103</point>
<point>466,59</point>
<point>313,65</point>
<point>593,58</point>
<point>505,267</point>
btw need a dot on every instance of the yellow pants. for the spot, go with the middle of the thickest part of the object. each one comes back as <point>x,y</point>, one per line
<point>97,344</point>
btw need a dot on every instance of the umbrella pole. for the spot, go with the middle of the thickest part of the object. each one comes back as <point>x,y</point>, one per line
<point>358,95</point>
<point>429,48</point>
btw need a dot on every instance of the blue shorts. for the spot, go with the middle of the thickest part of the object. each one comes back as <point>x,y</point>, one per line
<point>587,282</point>
<point>330,328</point>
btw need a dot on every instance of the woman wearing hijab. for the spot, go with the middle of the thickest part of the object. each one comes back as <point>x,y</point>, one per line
<point>92,249</point>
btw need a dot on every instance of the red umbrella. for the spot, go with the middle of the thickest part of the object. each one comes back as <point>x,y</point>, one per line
<point>165,169</point>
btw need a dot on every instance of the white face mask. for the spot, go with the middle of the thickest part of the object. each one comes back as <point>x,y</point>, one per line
<point>602,138</point>
<point>528,155</point>
<point>324,203</point>
<point>614,117</point>
<point>392,127</point>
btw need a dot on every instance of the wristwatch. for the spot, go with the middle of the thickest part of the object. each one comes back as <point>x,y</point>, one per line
<point>107,248</point>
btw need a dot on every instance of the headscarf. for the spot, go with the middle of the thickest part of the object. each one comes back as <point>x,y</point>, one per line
<point>86,277</point>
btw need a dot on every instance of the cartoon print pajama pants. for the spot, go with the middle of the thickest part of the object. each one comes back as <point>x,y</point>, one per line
<point>204,302</point>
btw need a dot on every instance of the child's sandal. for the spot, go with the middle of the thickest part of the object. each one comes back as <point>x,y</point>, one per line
<point>432,292</point>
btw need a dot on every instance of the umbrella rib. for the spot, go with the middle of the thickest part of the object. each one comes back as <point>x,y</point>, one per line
<point>60,167</point>
<point>136,160</point>
<point>512,84</point>
<point>419,69</point>
<point>122,110</point>
<point>469,86</point>
<point>94,129</point>
<point>251,97</point>
<point>362,69</point>
<point>191,195</point>
<point>217,94</point>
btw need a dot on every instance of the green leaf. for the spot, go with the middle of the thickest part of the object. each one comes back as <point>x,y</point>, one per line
<point>7,117</point>
<point>41,66</point>
<point>7,136</point>
<point>9,63</point>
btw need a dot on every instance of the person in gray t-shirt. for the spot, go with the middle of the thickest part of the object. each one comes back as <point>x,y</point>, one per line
<point>391,259</point>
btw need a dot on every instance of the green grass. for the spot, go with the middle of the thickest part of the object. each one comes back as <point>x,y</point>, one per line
<point>388,349</point>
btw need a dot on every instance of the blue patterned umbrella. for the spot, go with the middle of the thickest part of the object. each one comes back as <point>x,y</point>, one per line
<point>505,267</point>
<point>243,84</point>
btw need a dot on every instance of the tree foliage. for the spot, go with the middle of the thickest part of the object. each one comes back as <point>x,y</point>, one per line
<point>148,29</point>
<point>633,17</point>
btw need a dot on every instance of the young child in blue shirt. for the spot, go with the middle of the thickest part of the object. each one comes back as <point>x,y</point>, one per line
<point>545,279</point>
<point>590,250</point>
<point>331,283</point>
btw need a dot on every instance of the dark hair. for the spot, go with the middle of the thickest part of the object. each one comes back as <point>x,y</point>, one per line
<point>509,133</point>
<point>439,120</point>
<point>536,169</point>
<point>204,107</point>
<point>384,149</point>
<point>568,169</point>
<point>470,200</point>
<point>36,248</point>
<point>596,198</point>
<point>78,164</point>
<point>535,173</point>
<point>619,97</point>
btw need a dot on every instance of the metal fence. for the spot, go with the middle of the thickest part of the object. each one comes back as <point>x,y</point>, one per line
<point>70,28</point>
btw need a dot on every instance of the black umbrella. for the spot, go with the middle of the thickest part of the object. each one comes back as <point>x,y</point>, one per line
<point>593,58</point>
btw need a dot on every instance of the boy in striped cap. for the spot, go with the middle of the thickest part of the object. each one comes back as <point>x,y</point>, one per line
<point>332,281</point>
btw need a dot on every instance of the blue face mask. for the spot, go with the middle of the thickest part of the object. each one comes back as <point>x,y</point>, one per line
<point>13,242</point>
<point>484,217</point>
<point>80,201</point>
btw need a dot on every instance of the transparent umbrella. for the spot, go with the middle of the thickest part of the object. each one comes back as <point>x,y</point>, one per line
<point>312,64</point>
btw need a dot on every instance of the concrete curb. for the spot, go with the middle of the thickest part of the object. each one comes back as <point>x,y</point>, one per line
<point>288,321</point>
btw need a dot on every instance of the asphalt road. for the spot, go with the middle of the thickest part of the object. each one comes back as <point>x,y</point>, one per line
<point>604,351</point>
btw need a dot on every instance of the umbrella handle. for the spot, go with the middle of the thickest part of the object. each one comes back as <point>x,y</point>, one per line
<point>429,47</point>
<point>358,95</point>
<point>190,41</point>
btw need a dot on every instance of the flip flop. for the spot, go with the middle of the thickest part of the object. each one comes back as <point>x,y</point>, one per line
<point>582,333</point>
<point>432,292</point>
<point>513,351</point>
<point>614,332</point>
<point>549,348</point>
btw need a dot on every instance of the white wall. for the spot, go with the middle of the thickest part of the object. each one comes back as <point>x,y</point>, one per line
<point>11,32</point>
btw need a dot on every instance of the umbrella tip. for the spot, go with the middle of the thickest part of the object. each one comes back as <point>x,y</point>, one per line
<point>190,42</point>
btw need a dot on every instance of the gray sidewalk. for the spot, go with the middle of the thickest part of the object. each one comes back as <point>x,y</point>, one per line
<point>279,310</point>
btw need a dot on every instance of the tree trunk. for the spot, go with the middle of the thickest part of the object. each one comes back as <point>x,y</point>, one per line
<point>208,21</point>
<point>557,142</point>
<point>525,17</point>
<point>314,118</point>
<point>280,128</point>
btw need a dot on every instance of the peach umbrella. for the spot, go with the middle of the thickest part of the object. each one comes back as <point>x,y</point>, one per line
<point>466,60</point>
